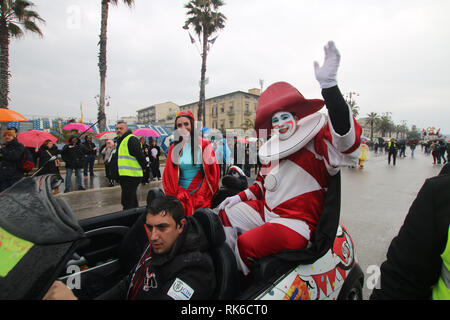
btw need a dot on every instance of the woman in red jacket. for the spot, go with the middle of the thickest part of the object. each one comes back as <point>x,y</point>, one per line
<point>191,173</point>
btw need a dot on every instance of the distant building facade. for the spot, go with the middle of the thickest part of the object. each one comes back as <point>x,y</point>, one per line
<point>129,120</point>
<point>235,110</point>
<point>160,114</point>
<point>365,127</point>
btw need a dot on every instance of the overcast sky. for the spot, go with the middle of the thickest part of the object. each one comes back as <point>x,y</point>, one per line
<point>394,54</point>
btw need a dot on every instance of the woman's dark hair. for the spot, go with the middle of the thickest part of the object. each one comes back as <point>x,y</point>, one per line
<point>167,204</point>
<point>45,143</point>
<point>194,146</point>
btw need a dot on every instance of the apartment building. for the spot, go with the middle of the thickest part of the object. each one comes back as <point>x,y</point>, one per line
<point>235,110</point>
<point>160,114</point>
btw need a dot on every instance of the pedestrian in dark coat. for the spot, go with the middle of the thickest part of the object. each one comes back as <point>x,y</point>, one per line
<point>147,169</point>
<point>132,149</point>
<point>45,152</point>
<point>89,157</point>
<point>10,156</point>
<point>73,156</point>
<point>155,152</point>
<point>392,149</point>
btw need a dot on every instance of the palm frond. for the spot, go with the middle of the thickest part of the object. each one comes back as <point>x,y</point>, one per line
<point>19,7</point>
<point>129,3</point>
<point>32,27</point>
<point>14,30</point>
<point>33,15</point>
<point>18,12</point>
<point>203,16</point>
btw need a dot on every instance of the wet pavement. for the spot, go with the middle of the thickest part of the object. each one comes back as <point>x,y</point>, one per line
<point>99,198</point>
<point>375,201</point>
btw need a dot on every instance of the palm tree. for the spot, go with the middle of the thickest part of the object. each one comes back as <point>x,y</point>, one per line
<point>204,17</point>
<point>102,59</point>
<point>373,119</point>
<point>16,17</point>
<point>385,124</point>
<point>352,103</point>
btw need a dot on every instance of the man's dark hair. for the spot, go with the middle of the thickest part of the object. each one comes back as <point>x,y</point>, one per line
<point>74,137</point>
<point>167,204</point>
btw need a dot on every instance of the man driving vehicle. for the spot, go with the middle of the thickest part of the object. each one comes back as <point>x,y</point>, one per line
<point>175,265</point>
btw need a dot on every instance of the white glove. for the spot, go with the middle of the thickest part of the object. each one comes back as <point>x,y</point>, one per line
<point>327,74</point>
<point>229,202</point>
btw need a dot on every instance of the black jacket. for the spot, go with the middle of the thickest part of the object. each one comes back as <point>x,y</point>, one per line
<point>74,156</point>
<point>44,155</point>
<point>10,156</point>
<point>188,262</point>
<point>90,148</point>
<point>413,262</point>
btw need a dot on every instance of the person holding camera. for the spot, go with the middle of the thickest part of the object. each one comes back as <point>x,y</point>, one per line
<point>73,156</point>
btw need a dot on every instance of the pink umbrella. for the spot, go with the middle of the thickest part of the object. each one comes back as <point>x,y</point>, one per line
<point>35,138</point>
<point>242,140</point>
<point>103,133</point>
<point>80,127</point>
<point>146,132</point>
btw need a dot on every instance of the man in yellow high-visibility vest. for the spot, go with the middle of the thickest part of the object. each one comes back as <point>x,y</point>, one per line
<point>128,161</point>
<point>418,258</point>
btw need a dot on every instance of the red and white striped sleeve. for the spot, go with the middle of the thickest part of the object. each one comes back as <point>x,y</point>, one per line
<point>256,191</point>
<point>339,150</point>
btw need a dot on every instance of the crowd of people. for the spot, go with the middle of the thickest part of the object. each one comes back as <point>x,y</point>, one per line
<point>439,149</point>
<point>78,156</point>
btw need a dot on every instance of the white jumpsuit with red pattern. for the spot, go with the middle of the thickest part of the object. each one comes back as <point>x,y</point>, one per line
<point>281,211</point>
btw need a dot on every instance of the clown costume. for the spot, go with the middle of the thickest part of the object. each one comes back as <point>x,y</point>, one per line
<point>282,208</point>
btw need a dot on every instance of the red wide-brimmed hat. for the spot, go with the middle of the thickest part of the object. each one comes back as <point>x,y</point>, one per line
<point>281,96</point>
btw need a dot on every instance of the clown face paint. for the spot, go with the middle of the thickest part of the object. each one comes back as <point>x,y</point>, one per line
<point>284,123</point>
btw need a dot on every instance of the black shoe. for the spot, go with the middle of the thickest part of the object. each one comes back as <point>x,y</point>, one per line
<point>81,188</point>
<point>66,191</point>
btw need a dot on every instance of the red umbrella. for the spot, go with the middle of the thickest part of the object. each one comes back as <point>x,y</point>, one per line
<point>7,115</point>
<point>35,138</point>
<point>146,132</point>
<point>80,127</point>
